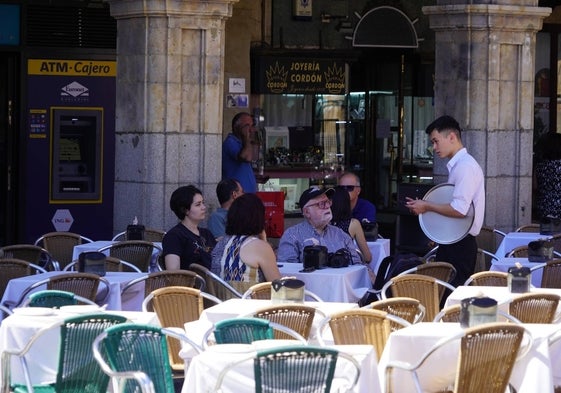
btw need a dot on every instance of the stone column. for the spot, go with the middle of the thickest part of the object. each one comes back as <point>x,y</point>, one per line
<point>484,77</point>
<point>170,67</point>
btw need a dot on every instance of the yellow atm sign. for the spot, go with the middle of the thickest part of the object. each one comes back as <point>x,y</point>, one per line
<point>71,67</point>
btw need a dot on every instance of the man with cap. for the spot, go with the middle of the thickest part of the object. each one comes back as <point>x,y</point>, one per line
<point>315,230</point>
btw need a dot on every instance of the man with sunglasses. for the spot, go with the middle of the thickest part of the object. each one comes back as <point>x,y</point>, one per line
<point>363,210</point>
<point>315,230</point>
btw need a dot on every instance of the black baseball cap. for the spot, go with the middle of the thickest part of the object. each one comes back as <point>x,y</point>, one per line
<point>314,192</point>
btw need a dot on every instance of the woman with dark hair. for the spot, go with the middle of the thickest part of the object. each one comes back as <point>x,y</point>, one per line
<point>342,217</point>
<point>186,242</point>
<point>243,254</point>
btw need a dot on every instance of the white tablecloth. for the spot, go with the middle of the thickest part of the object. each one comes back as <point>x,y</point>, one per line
<point>42,358</point>
<point>501,294</point>
<point>117,280</point>
<point>204,369</point>
<point>516,239</point>
<point>233,308</point>
<point>346,284</point>
<point>531,374</point>
<point>94,246</point>
<point>379,249</point>
<point>503,264</point>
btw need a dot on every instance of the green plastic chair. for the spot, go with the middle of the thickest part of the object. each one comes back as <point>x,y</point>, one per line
<point>77,371</point>
<point>295,369</point>
<point>246,331</point>
<point>53,298</point>
<point>136,355</point>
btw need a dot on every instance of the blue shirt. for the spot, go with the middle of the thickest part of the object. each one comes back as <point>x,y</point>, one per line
<point>233,167</point>
<point>217,222</point>
<point>364,209</point>
<point>296,237</point>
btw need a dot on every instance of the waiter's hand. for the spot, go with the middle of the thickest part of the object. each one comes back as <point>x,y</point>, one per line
<point>416,206</point>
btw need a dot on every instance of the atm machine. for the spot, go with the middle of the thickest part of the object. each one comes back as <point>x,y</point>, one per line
<point>69,165</point>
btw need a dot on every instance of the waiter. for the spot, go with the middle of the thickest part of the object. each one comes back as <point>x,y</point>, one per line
<point>467,177</point>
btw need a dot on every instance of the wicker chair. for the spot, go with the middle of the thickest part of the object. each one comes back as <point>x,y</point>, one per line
<point>535,307</point>
<point>528,228</point>
<point>484,260</point>
<point>82,284</point>
<point>167,278</point>
<point>404,307</point>
<point>28,252</point>
<point>486,357</point>
<point>297,317</point>
<point>518,252</point>
<point>245,331</point>
<point>442,270</point>
<point>136,355</point>
<point>77,371</point>
<point>112,264</point>
<point>174,307</point>
<point>61,246</point>
<point>551,275</point>
<point>452,314</point>
<point>215,285</point>
<point>423,288</point>
<point>137,252</point>
<point>449,314</point>
<point>489,238</point>
<point>262,290</point>
<point>296,369</point>
<point>14,268</point>
<point>53,298</point>
<point>150,235</point>
<point>488,279</point>
<point>361,327</point>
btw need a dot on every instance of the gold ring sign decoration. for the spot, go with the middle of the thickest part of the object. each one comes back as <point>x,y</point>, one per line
<point>442,229</point>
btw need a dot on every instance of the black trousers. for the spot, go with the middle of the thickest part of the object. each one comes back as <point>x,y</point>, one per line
<point>462,254</point>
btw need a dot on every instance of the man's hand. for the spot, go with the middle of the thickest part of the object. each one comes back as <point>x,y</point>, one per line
<point>416,206</point>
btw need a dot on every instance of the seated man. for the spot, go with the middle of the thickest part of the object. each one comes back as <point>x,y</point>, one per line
<point>363,210</point>
<point>315,230</point>
<point>226,191</point>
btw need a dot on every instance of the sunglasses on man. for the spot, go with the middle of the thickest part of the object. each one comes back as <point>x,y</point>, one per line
<point>348,188</point>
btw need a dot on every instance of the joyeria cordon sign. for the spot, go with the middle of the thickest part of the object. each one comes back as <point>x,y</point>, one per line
<point>297,76</point>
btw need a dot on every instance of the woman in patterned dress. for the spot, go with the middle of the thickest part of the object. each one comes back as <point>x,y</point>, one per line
<point>243,254</point>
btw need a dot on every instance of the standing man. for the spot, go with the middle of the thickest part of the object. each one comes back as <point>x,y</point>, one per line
<point>363,210</point>
<point>227,190</point>
<point>237,152</point>
<point>467,177</point>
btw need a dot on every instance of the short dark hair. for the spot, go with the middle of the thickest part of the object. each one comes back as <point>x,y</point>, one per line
<point>246,216</point>
<point>236,119</point>
<point>182,199</point>
<point>225,188</point>
<point>341,205</point>
<point>445,124</point>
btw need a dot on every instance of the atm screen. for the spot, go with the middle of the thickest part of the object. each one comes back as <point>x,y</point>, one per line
<point>69,149</point>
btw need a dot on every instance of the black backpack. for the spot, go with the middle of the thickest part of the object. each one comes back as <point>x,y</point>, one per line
<point>390,267</point>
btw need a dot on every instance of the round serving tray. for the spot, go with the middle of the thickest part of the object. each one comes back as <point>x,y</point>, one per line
<point>442,229</point>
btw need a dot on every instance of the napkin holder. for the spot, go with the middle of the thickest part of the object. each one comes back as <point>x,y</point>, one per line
<point>477,310</point>
<point>540,250</point>
<point>518,279</point>
<point>315,257</point>
<point>135,232</point>
<point>92,262</point>
<point>287,290</point>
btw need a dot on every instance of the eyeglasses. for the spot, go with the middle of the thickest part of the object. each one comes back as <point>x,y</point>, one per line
<point>322,204</point>
<point>348,188</point>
